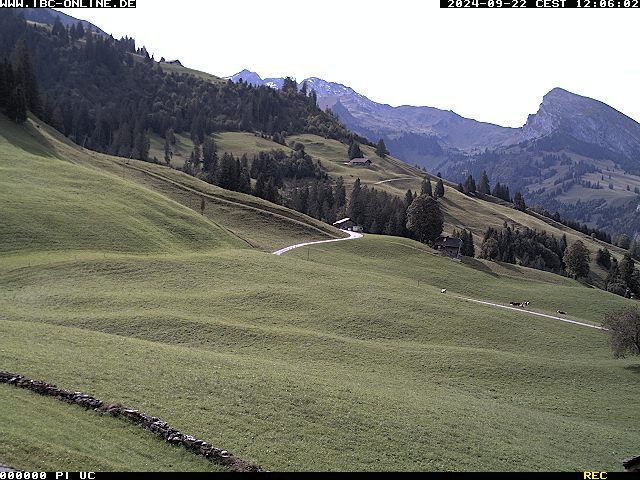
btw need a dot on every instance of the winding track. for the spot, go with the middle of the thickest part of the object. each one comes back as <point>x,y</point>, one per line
<point>352,236</point>
<point>355,235</point>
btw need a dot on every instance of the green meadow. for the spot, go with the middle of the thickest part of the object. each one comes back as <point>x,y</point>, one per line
<point>340,356</point>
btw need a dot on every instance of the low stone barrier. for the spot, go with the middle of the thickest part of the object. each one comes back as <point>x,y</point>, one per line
<point>153,424</point>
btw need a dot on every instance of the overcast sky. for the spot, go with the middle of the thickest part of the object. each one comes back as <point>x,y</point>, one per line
<point>492,65</point>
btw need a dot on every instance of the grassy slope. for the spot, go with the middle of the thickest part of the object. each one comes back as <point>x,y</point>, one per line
<point>207,77</point>
<point>614,197</point>
<point>51,204</point>
<point>44,434</point>
<point>256,222</point>
<point>461,211</point>
<point>302,364</point>
<point>337,362</point>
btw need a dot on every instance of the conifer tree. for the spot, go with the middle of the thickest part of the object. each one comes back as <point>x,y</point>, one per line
<point>26,76</point>
<point>425,219</point>
<point>168,152</point>
<point>340,193</point>
<point>209,155</point>
<point>518,201</point>
<point>381,149</point>
<point>426,187</point>
<point>354,150</point>
<point>439,189</point>
<point>469,185</point>
<point>356,207</point>
<point>483,184</point>
<point>17,105</point>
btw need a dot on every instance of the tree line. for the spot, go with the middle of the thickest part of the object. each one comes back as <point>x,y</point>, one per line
<point>623,278</point>
<point>528,247</point>
<point>18,85</point>
<point>110,96</point>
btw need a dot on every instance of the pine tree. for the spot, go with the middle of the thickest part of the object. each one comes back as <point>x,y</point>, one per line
<point>426,187</point>
<point>354,151</point>
<point>439,189</point>
<point>226,173</point>
<point>80,30</point>
<point>483,184</point>
<point>209,155</point>
<point>381,149</point>
<point>469,185</point>
<point>340,193</point>
<point>425,219</point>
<point>59,31</point>
<point>408,198</point>
<point>356,207</point>
<point>168,153</point>
<point>26,76</point>
<point>603,258</point>
<point>518,201</point>
<point>17,107</point>
<point>468,248</point>
<point>6,83</point>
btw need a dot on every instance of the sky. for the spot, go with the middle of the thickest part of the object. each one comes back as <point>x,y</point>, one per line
<point>493,65</point>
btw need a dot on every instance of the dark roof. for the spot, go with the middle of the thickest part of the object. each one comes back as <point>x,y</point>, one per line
<point>630,462</point>
<point>360,160</point>
<point>449,242</point>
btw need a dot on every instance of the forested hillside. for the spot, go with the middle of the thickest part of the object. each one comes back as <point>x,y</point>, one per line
<point>108,95</point>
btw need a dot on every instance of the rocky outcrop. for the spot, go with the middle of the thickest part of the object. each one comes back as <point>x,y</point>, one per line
<point>153,424</point>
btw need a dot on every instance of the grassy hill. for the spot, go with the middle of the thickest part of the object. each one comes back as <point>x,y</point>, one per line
<point>460,211</point>
<point>44,434</point>
<point>65,175</point>
<point>332,357</point>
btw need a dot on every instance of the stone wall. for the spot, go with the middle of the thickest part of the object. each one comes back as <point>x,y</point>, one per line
<point>154,424</point>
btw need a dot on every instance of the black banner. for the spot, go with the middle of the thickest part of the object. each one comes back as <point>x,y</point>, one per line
<point>590,4</point>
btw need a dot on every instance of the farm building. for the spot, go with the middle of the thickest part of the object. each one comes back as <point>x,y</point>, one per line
<point>360,162</point>
<point>347,224</point>
<point>450,246</point>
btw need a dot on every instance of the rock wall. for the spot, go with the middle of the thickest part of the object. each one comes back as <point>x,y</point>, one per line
<point>153,424</point>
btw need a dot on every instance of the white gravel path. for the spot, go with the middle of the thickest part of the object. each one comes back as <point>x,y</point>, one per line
<point>352,236</point>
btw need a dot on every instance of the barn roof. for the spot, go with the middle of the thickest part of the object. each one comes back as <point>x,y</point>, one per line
<point>451,242</point>
<point>360,160</point>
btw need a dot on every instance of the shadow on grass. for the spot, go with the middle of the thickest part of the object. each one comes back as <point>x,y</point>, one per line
<point>29,138</point>
<point>478,265</point>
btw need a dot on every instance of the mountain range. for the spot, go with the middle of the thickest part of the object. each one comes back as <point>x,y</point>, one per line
<point>575,155</point>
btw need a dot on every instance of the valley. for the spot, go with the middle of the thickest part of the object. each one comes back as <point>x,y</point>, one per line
<point>167,244</point>
<point>331,357</point>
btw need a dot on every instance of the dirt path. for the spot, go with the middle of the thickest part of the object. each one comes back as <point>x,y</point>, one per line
<point>352,236</point>
<point>552,317</point>
<point>394,180</point>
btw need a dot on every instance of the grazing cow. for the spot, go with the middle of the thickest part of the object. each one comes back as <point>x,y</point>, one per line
<point>561,312</point>
<point>519,304</point>
<point>444,290</point>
